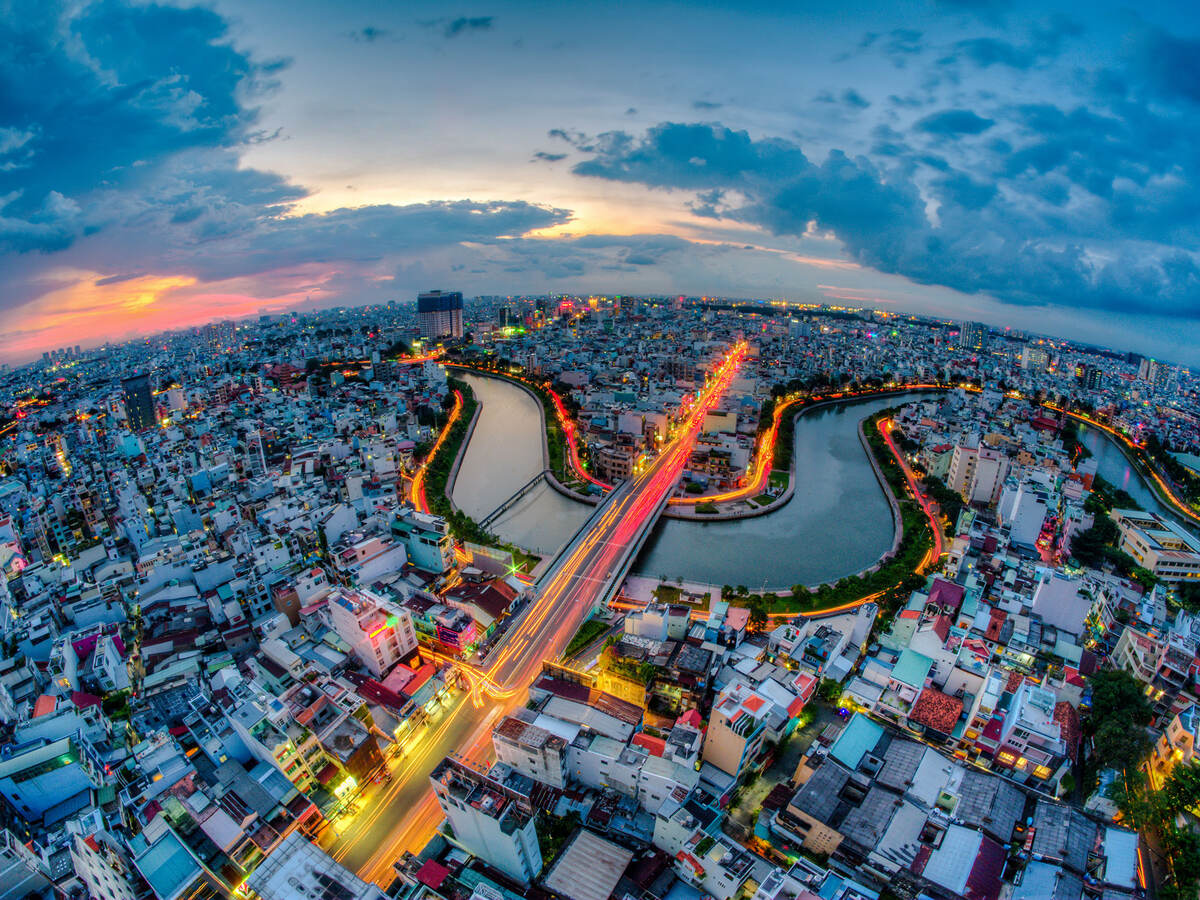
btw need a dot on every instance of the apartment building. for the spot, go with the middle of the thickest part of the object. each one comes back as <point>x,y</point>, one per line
<point>490,814</point>
<point>1159,545</point>
<point>380,633</point>
<point>736,728</point>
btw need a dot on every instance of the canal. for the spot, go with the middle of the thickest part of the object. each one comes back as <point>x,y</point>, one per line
<point>1112,465</point>
<point>836,523</point>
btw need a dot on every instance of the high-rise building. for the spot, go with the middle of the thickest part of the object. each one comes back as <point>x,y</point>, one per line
<point>972,336</point>
<point>1089,376</point>
<point>139,401</point>
<point>1035,358</point>
<point>491,814</point>
<point>1157,373</point>
<point>439,314</point>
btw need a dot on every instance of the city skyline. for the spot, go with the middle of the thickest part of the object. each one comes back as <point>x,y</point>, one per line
<point>963,162</point>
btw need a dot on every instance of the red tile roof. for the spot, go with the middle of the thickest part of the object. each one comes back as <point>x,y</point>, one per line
<point>1067,718</point>
<point>432,874</point>
<point>984,881</point>
<point>691,717</point>
<point>946,593</point>
<point>84,700</point>
<point>655,745</point>
<point>45,705</point>
<point>936,710</point>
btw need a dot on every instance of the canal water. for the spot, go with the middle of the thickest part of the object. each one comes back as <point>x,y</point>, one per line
<point>504,452</point>
<point>836,523</point>
<point>1118,471</point>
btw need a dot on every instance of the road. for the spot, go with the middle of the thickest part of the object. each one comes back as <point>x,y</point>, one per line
<point>406,814</point>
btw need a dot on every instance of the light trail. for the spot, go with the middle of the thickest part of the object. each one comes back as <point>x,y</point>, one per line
<point>935,552</point>
<point>577,584</point>
<point>416,491</point>
<point>931,557</point>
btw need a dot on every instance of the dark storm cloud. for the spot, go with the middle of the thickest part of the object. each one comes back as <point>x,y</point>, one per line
<point>951,122</point>
<point>464,24</point>
<point>992,233</point>
<point>155,81</point>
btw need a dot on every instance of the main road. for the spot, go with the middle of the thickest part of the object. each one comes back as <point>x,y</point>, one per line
<point>404,814</point>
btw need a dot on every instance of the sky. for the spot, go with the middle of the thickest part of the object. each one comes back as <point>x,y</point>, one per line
<point>1028,165</point>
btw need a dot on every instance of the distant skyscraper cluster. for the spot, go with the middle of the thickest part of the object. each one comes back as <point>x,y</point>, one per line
<point>972,336</point>
<point>61,355</point>
<point>440,314</point>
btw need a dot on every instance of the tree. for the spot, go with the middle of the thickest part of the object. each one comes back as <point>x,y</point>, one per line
<point>1120,713</point>
<point>1182,790</point>
<point>1117,694</point>
<point>1183,852</point>
<point>1187,595</point>
<point>830,691</point>
<point>758,616</point>
<point>1119,746</point>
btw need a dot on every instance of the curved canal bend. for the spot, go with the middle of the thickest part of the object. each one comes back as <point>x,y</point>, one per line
<point>1115,468</point>
<point>837,523</point>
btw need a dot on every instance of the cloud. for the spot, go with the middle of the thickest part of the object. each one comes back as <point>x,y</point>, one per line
<point>705,105</point>
<point>1045,43</point>
<point>116,279</point>
<point>121,150</point>
<point>849,97</point>
<point>367,234</point>
<point>368,34</point>
<point>900,44</point>
<point>131,84</point>
<point>954,122</point>
<point>1170,65</point>
<point>999,236</point>
<point>465,24</point>
<point>543,156</point>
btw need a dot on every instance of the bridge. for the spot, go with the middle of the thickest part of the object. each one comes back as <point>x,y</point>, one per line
<point>584,575</point>
<point>514,499</point>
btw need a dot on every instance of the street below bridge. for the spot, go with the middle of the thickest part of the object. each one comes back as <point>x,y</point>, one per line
<point>404,814</point>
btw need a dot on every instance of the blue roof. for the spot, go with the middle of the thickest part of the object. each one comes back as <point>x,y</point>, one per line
<point>166,865</point>
<point>858,738</point>
<point>912,668</point>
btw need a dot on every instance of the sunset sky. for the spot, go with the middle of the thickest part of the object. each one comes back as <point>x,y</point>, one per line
<point>1017,163</point>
